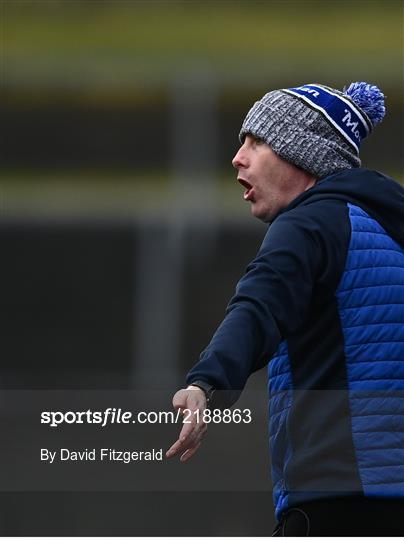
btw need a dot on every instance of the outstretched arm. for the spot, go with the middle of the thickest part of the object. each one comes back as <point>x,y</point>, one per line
<point>271,302</point>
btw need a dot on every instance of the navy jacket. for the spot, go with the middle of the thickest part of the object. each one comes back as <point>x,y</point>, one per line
<point>323,305</point>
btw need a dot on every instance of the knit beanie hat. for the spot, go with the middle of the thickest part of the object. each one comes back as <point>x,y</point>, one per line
<point>317,128</point>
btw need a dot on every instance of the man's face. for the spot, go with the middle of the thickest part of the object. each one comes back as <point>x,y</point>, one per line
<point>271,182</point>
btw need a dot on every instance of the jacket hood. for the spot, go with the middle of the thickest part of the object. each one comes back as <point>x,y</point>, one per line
<point>377,194</point>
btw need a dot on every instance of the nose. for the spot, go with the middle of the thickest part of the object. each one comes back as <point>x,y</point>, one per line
<point>240,159</point>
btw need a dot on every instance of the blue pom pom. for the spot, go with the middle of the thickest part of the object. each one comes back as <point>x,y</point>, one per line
<point>369,98</point>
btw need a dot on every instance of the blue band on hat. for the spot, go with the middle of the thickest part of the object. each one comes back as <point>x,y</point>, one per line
<point>342,114</point>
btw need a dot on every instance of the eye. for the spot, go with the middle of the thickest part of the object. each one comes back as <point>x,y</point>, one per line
<point>258,141</point>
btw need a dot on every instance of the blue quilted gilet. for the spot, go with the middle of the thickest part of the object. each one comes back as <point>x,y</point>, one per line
<point>280,401</point>
<point>370,300</point>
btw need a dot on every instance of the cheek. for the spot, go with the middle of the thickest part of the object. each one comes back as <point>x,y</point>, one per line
<point>269,193</point>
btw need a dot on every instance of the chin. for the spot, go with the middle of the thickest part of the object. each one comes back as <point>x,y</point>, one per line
<point>261,215</point>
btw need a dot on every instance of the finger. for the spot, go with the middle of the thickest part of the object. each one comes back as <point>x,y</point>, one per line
<point>185,440</point>
<point>189,436</point>
<point>189,453</point>
<point>176,448</point>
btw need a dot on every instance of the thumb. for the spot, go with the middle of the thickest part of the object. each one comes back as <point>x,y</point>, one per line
<point>180,399</point>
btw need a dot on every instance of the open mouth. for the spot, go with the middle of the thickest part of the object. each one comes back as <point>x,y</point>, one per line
<point>249,190</point>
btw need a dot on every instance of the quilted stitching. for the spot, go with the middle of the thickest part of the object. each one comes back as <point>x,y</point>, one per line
<point>373,328</point>
<point>280,400</point>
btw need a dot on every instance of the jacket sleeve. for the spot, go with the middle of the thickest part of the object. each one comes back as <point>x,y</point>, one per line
<point>270,302</point>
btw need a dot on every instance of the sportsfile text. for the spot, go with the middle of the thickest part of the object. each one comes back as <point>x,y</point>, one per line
<point>113,415</point>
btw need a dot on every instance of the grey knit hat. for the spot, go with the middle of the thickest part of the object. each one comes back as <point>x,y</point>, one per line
<point>317,128</point>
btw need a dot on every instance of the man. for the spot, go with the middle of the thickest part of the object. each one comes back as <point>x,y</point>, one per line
<point>323,305</point>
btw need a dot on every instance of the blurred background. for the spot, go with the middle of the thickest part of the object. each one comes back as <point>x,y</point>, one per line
<point>123,228</point>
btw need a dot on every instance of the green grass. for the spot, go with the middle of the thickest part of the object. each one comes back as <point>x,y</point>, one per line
<point>90,193</point>
<point>87,193</point>
<point>117,43</point>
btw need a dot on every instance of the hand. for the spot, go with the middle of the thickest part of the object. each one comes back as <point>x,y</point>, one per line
<point>193,399</point>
